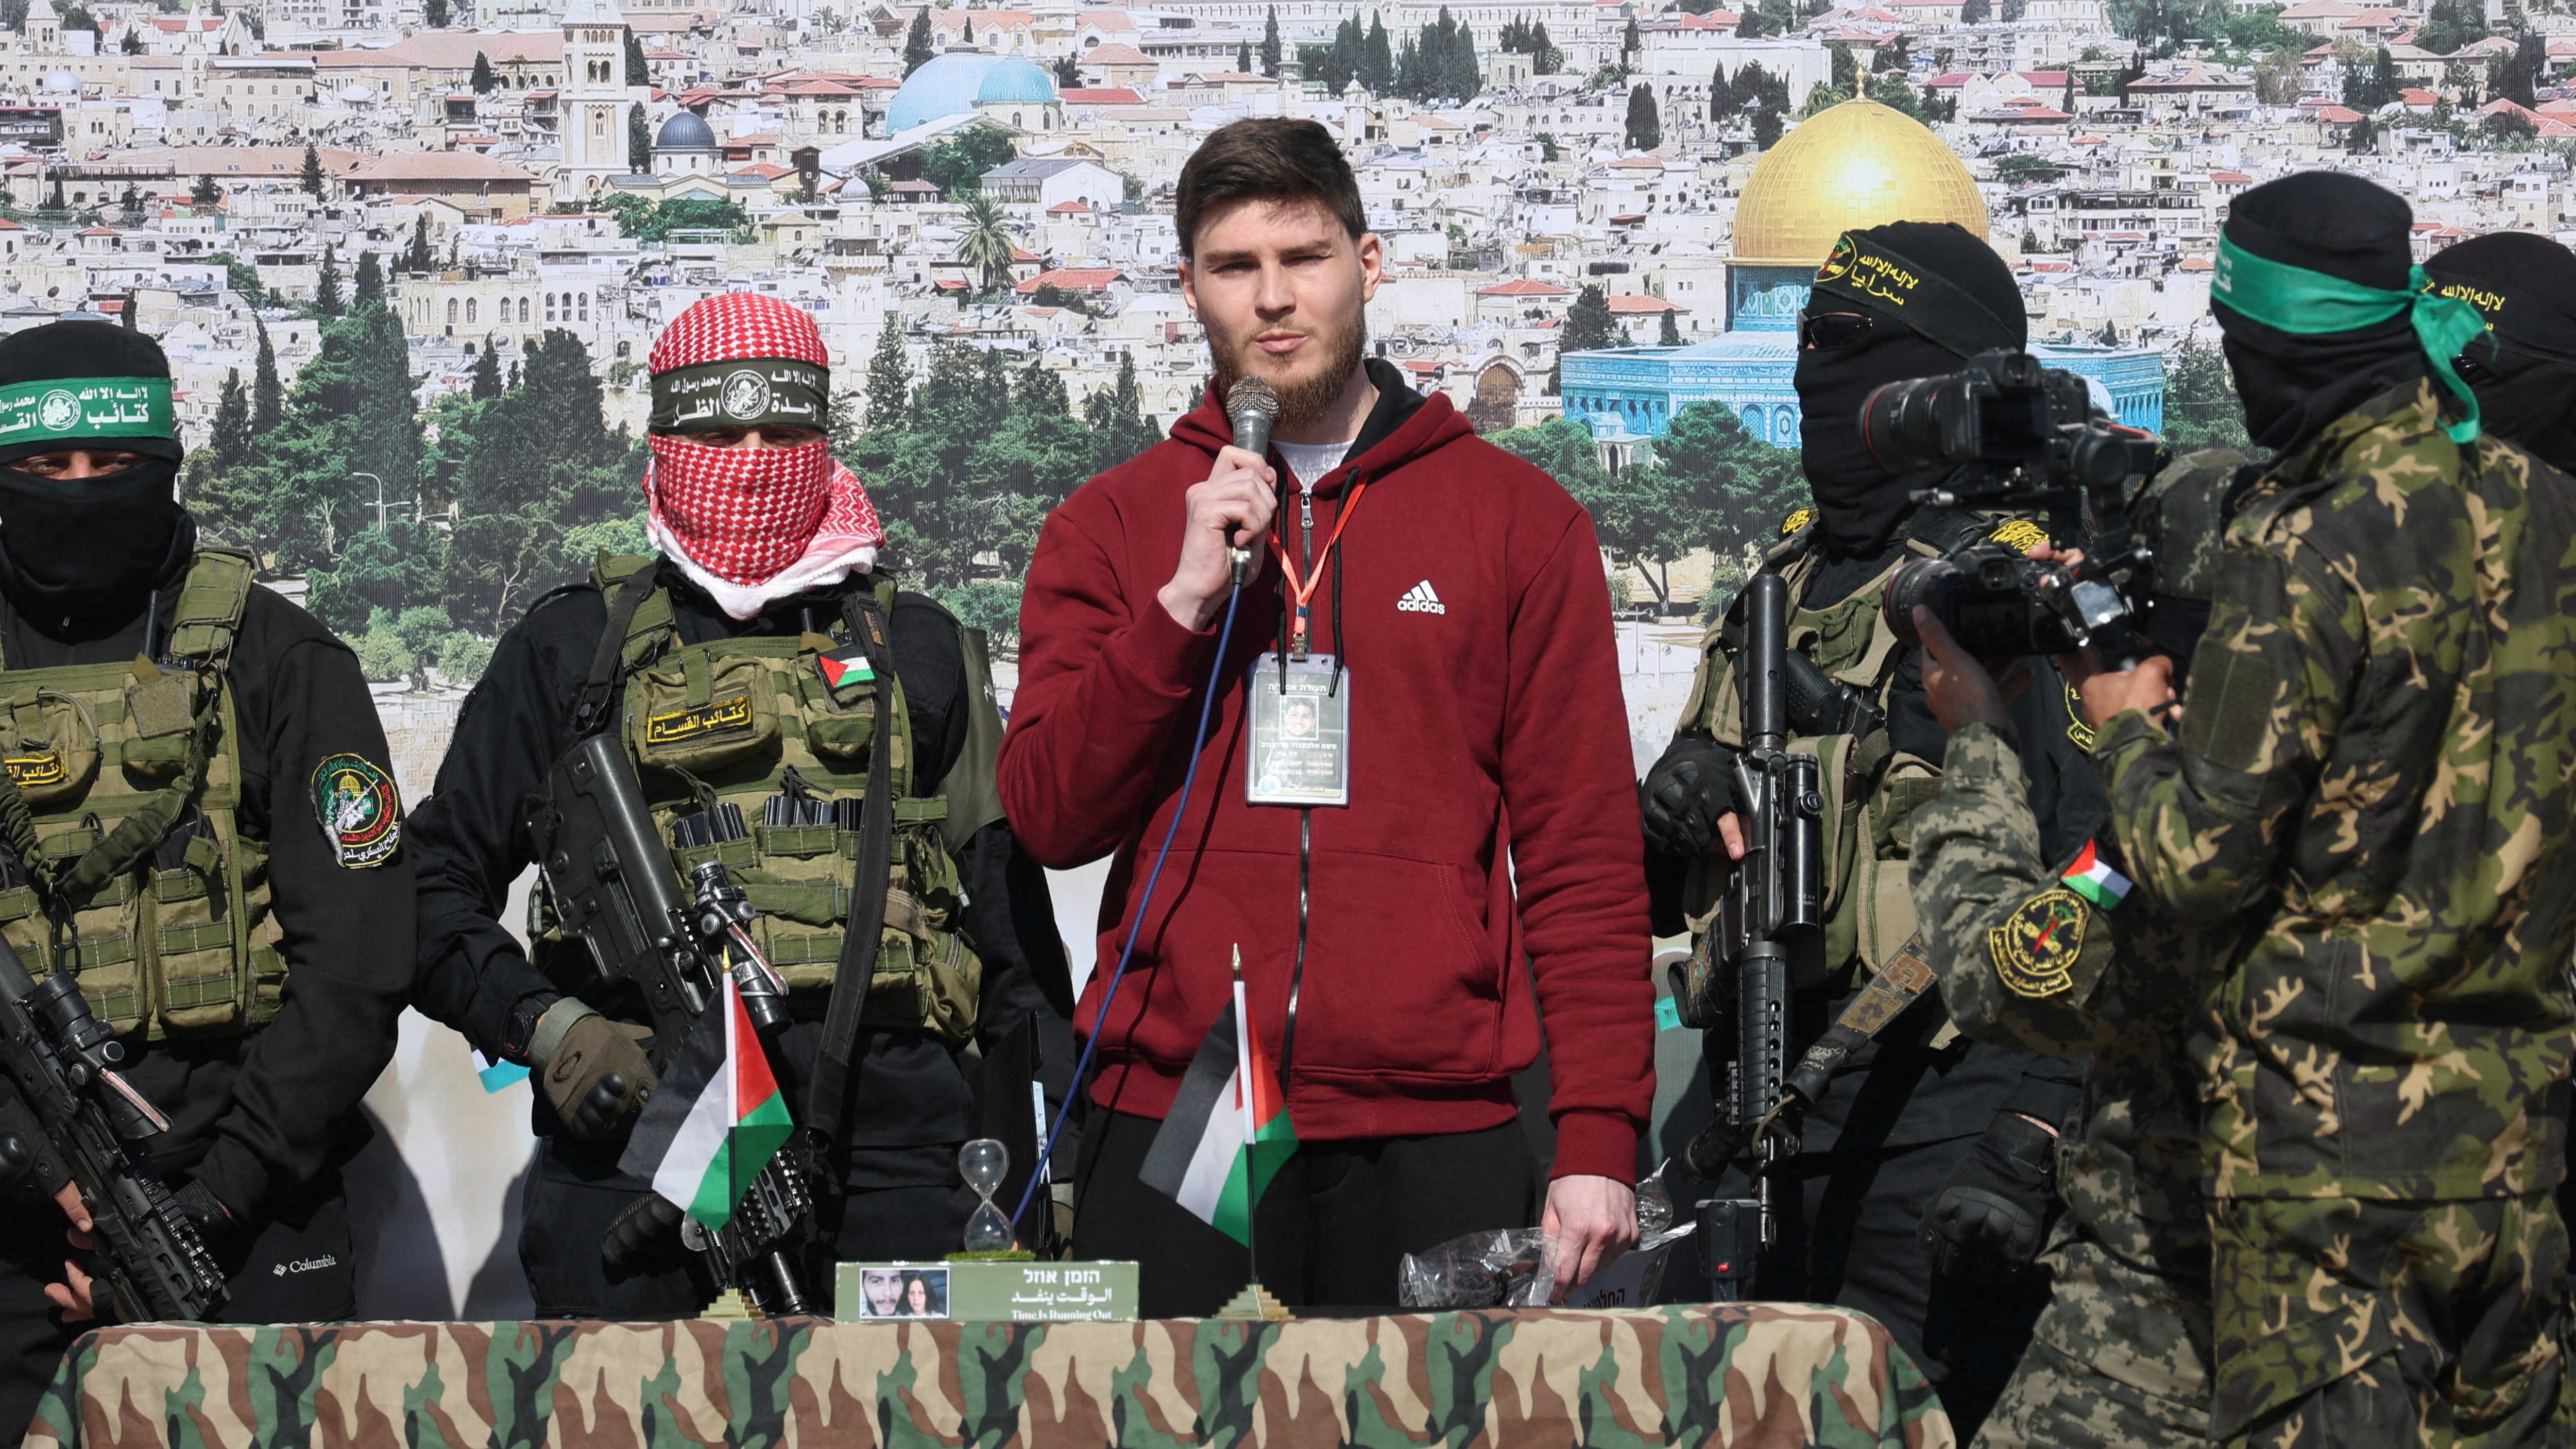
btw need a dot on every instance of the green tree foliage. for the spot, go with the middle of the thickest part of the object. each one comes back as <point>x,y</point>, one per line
<point>267,394</point>
<point>486,383</point>
<point>1377,60</point>
<point>1645,127</point>
<point>1846,69</point>
<point>2451,24</point>
<point>327,301</point>
<point>1630,42</point>
<point>1898,94</point>
<point>1822,98</point>
<point>1270,52</point>
<point>418,258</point>
<point>1766,97</point>
<point>985,244</point>
<point>433,13</point>
<point>2519,75</point>
<point>312,170</point>
<point>1589,327</point>
<point>889,380</point>
<point>637,72</point>
<point>371,282</point>
<point>2261,29</point>
<point>132,44</point>
<point>653,221</point>
<point>203,192</point>
<point>228,445</point>
<point>956,164</point>
<point>2367,91</point>
<point>916,42</point>
<point>1975,12</point>
<point>1669,334</point>
<point>1068,73</point>
<point>1334,66</point>
<point>482,80</point>
<point>2201,407</point>
<point>639,142</point>
<point>1522,37</point>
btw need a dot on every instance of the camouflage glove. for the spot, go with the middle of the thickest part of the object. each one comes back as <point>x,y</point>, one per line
<point>648,1231</point>
<point>1986,1225</point>
<point>592,1069</point>
<point>1684,794</point>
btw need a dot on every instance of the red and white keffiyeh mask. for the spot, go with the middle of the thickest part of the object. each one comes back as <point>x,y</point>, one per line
<point>751,525</point>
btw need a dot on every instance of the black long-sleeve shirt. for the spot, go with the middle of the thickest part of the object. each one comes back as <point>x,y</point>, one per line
<point>255,1116</point>
<point>908,1091</point>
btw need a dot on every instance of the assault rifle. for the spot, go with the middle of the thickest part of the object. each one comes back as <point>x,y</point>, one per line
<point>1739,976</point>
<point>613,884</point>
<point>65,1064</point>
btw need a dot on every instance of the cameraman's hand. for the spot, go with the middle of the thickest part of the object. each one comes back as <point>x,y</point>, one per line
<point>2107,695</point>
<point>1232,508</point>
<point>1961,690</point>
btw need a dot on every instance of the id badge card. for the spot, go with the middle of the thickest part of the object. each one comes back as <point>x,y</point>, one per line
<point>1301,733</point>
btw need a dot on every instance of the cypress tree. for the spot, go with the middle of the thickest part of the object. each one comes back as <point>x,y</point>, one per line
<point>487,376</point>
<point>1243,57</point>
<point>419,259</point>
<point>1645,127</point>
<point>639,142</point>
<point>916,42</point>
<point>231,437</point>
<point>889,381</point>
<point>371,282</point>
<point>1377,60</point>
<point>312,170</point>
<point>1670,334</point>
<point>326,291</point>
<point>267,394</point>
<point>1270,43</point>
<point>482,81</point>
<point>637,72</point>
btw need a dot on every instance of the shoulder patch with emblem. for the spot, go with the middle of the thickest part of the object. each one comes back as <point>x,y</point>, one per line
<point>359,809</point>
<point>2035,949</point>
<point>1797,519</point>
<point>2019,534</point>
<point>2078,733</point>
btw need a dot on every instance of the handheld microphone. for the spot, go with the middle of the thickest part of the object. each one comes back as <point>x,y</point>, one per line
<point>1251,405</point>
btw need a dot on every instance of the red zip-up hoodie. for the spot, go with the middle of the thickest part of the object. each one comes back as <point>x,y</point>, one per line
<point>1489,744</point>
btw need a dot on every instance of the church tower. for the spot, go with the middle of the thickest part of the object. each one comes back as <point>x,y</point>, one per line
<point>594,100</point>
<point>43,29</point>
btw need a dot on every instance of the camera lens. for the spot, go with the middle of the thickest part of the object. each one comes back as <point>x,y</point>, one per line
<point>1901,424</point>
<point>1928,582</point>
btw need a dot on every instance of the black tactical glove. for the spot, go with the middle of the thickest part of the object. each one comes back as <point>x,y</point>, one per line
<point>1684,794</point>
<point>648,1231</point>
<point>225,1236</point>
<point>1987,1224</point>
<point>31,1171</point>
<point>593,1070</point>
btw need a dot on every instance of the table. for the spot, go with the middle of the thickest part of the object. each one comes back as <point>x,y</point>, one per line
<point>1730,1374</point>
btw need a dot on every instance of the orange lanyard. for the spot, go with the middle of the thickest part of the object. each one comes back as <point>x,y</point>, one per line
<point>1303,590</point>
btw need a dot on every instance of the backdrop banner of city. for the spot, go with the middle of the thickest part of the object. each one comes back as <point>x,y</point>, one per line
<point>408,258</point>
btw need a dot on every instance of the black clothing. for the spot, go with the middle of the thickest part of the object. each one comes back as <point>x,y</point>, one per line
<point>2292,385</point>
<point>300,1269</point>
<point>1934,278</point>
<point>1851,1234</point>
<point>256,1115</point>
<point>1332,1228</point>
<point>910,1102</point>
<point>65,565</point>
<point>2524,369</point>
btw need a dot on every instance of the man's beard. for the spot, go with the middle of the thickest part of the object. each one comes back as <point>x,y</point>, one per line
<point>1301,404</point>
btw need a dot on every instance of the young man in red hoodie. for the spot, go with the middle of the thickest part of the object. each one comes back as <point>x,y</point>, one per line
<point>1459,649</point>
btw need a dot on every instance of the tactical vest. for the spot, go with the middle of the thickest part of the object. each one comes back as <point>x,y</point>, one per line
<point>123,815</point>
<point>1871,789</point>
<point>741,721</point>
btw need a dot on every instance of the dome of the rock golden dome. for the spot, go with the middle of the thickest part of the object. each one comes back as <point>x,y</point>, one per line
<point>1857,164</point>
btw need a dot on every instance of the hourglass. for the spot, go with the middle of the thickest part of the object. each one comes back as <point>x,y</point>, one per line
<point>983,1163</point>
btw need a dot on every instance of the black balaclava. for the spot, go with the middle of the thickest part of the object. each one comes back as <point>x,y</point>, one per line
<point>91,548</point>
<point>2293,385</point>
<point>2524,369</point>
<point>1940,296</point>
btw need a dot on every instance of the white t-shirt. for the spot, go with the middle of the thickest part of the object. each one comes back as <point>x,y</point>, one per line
<point>1311,461</point>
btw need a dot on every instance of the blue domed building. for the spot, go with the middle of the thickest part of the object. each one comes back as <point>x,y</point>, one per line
<point>1010,89</point>
<point>686,146</point>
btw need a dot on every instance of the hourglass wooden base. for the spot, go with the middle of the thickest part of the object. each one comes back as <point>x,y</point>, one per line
<point>1255,1302</point>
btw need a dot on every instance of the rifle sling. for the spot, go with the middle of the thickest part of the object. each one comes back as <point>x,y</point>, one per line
<point>1897,986</point>
<point>868,885</point>
<point>590,707</point>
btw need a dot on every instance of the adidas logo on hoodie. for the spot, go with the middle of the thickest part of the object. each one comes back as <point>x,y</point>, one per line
<point>1420,600</point>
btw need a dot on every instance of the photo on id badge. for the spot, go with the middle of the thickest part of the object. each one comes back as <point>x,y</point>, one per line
<point>1301,738</point>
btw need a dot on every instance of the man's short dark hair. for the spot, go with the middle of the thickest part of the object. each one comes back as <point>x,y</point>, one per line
<point>1282,162</point>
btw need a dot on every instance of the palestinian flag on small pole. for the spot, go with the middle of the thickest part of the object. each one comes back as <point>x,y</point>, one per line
<point>2093,878</point>
<point>1228,1130</point>
<point>716,1119</point>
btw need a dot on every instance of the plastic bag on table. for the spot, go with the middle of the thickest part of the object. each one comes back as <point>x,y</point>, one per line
<point>1513,1267</point>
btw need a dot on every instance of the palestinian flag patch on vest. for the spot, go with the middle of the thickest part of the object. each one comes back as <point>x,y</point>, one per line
<point>358,808</point>
<point>845,666</point>
<point>2093,878</point>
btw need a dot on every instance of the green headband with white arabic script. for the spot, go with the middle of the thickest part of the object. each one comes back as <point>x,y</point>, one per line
<point>2309,304</point>
<point>75,409</point>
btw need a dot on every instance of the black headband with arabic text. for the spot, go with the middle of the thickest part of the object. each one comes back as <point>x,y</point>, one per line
<point>1865,271</point>
<point>2516,322</point>
<point>746,392</point>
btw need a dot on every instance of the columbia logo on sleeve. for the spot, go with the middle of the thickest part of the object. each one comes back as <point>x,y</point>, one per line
<point>1420,600</point>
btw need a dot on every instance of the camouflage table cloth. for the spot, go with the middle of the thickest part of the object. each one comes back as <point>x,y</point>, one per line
<point>1738,1374</point>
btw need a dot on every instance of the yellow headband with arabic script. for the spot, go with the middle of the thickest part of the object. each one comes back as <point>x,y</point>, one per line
<point>1865,270</point>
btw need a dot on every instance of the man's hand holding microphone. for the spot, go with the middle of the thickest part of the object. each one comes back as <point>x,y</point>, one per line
<point>1228,514</point>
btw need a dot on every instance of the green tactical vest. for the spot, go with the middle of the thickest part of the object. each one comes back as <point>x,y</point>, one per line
<point>1870,788</point>
<point>126,821</point>
<point>729,721</point>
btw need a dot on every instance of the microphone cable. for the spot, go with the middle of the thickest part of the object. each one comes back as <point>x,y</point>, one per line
<point>1126,953</point>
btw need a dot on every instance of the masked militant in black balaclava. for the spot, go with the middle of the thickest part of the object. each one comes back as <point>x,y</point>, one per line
<point>2524,367</point>
<point>1905,300</point>
<point>83,549</point>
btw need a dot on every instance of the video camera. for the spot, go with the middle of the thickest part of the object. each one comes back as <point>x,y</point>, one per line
<point>2019,435</point>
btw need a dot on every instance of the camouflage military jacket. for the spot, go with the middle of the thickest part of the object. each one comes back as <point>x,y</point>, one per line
<point>2377,765</point>
<point>2025,961</point>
